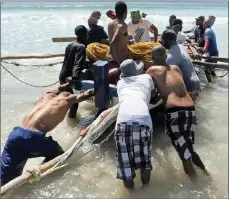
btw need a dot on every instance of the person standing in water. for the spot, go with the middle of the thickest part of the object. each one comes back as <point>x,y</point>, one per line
<point>118,34</point>
<point>210,47</point>
<point>140,28</point>
<point>74,60</point>
<point>178,55</point>
<point>172,18</point>
<point>180,113</point>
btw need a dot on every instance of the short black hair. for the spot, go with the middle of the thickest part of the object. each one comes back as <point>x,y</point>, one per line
<point>81,31</point>
<point>177,22</point>
<point>173,16</point>
<point>120,8</point>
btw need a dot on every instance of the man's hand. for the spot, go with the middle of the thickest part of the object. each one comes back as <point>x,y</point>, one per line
<point>201,50</point>
<point>64,87</point>
<point>69,79</point>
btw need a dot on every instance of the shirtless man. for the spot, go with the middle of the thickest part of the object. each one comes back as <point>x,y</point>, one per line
<point>28,139</point>
<point>118,34</point>
<point>179,110</point>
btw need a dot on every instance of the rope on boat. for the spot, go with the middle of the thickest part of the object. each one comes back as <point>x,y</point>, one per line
<point>44,86</point>
<point>37,65</point>
<point>94,131</point>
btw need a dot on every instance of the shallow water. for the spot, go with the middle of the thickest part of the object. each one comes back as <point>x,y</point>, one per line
<point>29,31</point>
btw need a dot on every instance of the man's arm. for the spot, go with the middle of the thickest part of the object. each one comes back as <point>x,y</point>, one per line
<point>153,29</point>
<point>73,98</point>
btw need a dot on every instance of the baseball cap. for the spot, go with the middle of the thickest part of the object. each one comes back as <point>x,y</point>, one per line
<point>202,18</point>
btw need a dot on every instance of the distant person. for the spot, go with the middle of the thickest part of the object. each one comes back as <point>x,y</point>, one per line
<point>177,27</point>
<point>210,47</point>
<point>140,28</point>
<point>178,55</point>
<point>96,32</point>
<point>198,31</point>
<point>133,131</point>
<point>144,15</point>
<point>172,18</point>
<point>111,14</point>
<point>96,14</point>
<point>118,34</point>
<point>74,60</point>
<point>180,113</point>
<point>29,140</point>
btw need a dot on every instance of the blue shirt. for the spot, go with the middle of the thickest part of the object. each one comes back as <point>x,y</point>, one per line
<point>212,49</point>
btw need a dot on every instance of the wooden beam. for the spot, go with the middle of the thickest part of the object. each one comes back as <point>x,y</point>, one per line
<point>208,64</point>
<point>64,39</point>
<point>32,56</point>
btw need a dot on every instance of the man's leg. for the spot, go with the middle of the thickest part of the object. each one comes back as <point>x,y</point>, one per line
<point>145,176</point>
<point>128,184</point>
<point>189,169</point>
<point>124,159</point>
<point>198,162</point>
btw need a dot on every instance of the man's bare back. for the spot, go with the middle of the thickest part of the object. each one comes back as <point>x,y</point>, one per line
<point>50,109</point>
<point>118,39</point>
<point>170,85</point>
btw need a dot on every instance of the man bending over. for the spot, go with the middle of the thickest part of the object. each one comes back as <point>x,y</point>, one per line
<point>133,125</point>
<point>179,110</point>
<point>28,139</point>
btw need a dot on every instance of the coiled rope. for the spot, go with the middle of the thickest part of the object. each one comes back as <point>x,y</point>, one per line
<point>44,86</point>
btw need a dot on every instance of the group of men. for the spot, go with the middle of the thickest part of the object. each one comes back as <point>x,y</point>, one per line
<point>172,75</point>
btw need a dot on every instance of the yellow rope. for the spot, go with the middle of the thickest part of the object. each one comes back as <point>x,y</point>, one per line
<point>140,51</point>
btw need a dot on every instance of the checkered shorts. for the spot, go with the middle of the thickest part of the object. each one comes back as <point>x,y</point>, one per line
<point>178,126</point>
<point>133,142</point>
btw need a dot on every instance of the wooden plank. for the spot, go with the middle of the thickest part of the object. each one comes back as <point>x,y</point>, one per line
<point>207,64</point>
<point>32,56</point>
<point>64,39</point>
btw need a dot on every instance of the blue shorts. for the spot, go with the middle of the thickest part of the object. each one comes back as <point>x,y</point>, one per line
<point>21,145</point>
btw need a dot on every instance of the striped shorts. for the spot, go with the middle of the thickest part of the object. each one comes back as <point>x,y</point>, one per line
<point>133,142</point>
<point>178,126</point>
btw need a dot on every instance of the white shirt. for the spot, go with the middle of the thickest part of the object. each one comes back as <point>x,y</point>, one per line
<point>181,38</point>
<point>140,31</point>
<point>134,95</point>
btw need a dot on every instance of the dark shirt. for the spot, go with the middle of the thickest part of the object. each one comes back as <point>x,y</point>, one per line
<point>97,34</point>
<point>199,34</point>
<point>74,59</point>
<point>21,145</point>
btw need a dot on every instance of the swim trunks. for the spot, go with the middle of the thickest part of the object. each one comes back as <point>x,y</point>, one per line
<point>133,142</point>
<point>178,126</point>
<point>21,145</point>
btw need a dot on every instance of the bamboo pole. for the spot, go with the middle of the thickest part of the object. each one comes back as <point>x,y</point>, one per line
<point>32,56</point>
<point>208,64</point>
<point>26,177</point>
<point>64,39</point>
<point>221,59</point>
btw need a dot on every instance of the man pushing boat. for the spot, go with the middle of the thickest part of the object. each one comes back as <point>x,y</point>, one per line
<point>179,110</point>
<point>28,139</point>
<point>133,125</point>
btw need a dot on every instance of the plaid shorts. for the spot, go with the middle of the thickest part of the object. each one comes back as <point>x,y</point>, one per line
<point>178,126</point>
<point>133,142</point>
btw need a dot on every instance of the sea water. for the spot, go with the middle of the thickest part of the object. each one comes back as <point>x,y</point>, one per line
<point>28,28</point>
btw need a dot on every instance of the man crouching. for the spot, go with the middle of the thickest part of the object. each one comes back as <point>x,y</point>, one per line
<point>28,139</point>
<point>133,125</point>
<point>180,113</point>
